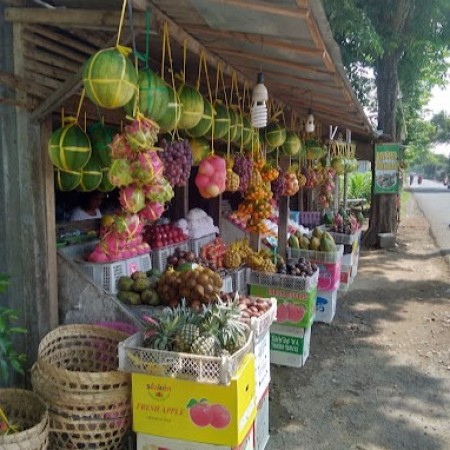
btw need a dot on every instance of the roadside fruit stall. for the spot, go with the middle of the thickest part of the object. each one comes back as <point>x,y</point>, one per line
<point>170,137</point>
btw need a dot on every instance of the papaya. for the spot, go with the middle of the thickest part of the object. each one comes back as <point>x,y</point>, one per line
<point>327,243</point>
<point>304,243</point>
<point>317,232</point>
<point>293,241</point>
<point>315,244</point>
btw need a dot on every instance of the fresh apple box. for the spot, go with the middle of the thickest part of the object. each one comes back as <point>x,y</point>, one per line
<point>261,426</point>
<point>294,308</point>
<point>151,442</point>
<point>289,346</point>
<point>196,412</point>
<point>325,306</point>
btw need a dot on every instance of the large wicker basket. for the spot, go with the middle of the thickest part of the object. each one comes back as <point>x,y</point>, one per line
<point>89,400</point>
<point>25,410</point>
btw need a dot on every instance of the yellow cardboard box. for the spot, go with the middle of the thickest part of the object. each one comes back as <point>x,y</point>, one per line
<point>198,412</point>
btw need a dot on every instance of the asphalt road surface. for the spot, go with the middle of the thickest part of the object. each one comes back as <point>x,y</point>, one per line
<point>433,199</point>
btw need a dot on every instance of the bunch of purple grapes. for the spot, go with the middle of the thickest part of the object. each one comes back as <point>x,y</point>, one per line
<point>243,166</point>
<point>277,186</point>
<point>177,159</point>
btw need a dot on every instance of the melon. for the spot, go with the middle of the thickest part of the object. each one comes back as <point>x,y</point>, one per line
<point>239,125</point>
<point>67,181</point>
<point>91,176</point>
<point>105,185</point>
<point>192,106</point>
<point>247,130</point>
<point>275,134</point>
<point>101,137</point>
<point>205,123</point>
<point>221,121</point>
<point>315,152</point>
<point>169,121</point>
<point>109,78</point>
<point>200,149</point>
<point>234,124</point>
<point>338,164</point>
<point>69,148</point>
<point>292,144</point>
<point>153,95</point>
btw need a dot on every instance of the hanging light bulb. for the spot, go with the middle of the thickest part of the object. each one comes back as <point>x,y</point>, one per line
<point>310,125</point>
<point>259,98</point>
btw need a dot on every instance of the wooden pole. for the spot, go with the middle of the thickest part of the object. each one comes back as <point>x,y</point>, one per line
<point>283,216</point>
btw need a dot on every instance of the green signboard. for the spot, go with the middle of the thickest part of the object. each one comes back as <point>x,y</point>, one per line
<point>386,168</point>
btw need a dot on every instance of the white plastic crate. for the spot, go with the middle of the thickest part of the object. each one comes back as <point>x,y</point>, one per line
<point>107,275</point>
<point>134,357</point>
<point>347,239</point>
<point>262,323</point>
<point>261,349</point>
<point>195,245</point>
<point>313,255</point>
<point>160,255</point>
<point>227,286</point>
<point>240,279</point>
<point>261,427</point>
<point>304,284</point>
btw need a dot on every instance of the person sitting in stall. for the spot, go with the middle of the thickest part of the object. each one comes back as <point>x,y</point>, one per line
<point>89,207</point>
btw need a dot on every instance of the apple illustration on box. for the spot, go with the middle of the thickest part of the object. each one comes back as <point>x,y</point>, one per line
<point>203,414</point>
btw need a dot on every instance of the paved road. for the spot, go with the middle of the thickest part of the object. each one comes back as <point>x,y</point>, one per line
<point>434,201</point>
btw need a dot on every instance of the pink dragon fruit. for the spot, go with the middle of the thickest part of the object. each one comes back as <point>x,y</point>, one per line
<point>128,226</point>
<point>120,149</point>
<point>142,133</point>
<point>152,211</point>
<point>98,255</point>
<point>119,173</point>
<point>132,199</point>
<point>160,191</point>
<point>147,167</point>
<point>111,243</point>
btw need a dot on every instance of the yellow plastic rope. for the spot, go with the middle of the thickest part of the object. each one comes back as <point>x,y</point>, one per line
<point>122,19</point>
<point>183,74</point>
<point>80,103</point>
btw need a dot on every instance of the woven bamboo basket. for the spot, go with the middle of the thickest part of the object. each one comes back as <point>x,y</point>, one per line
<point>25,410</point>
<point>89,400</point>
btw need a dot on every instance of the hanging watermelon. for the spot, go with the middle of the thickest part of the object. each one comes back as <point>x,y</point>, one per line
<point>91,176</point>
<point>247,130</point>
<point>221,121</point>
<point>153,95</point>
<point>69,148</point>
<point>101,137</point>
<point>275,134</point>
<point>205,123</point>
<point>109,78</point>
<point>239,124</point>
<point>67,181</point>
<point>169,121</point>
<point>192,106</point>
<point>234,124</point>
<point>292,144</point>
<point>105,184</point>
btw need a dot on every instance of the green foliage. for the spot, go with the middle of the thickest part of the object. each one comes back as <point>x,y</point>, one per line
<point>441,124</point>
<point>9,358</point>
<point>359,185</point>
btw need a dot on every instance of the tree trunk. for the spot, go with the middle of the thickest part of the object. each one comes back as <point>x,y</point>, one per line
<point>383,213</point>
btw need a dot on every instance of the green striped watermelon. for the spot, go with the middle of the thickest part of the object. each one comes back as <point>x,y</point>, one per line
<point>221,125</point>
<point>204,125</point>
<point>292,144</point>
<point>275,134</point>
<point>101,136</point>
<point>109,78</point>
<point>169,121</point>
<point>247,130</point>
<point>192,106</point>
<point>91,176</point>
<point>67,181</point>
<point>105,185</point>
<point>69,148</point>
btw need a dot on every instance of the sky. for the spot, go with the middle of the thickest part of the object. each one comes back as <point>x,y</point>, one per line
<point>440,101</point>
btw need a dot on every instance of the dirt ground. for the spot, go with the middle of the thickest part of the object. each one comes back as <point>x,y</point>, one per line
<point>378,377</point>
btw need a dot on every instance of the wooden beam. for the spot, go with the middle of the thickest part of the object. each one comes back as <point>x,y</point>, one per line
<point>44,69</point>
<point>256,39</point>
<point>18,83</point>
<point>268,60</point>
<point>29,104</point>
<point>50,46</point>
<point>62,39</point>
<point>74,18</point>
<point>36,54</point>
<point>262,7</point>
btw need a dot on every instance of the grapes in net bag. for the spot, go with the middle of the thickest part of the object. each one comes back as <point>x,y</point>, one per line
<point>177,159</point>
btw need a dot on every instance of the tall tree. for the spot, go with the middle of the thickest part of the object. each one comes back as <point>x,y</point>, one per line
<point>405,43</point>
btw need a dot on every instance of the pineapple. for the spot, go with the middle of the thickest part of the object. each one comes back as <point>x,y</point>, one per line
<point>223,320</point>
<point>186,336</point>
<point>205,345</point>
